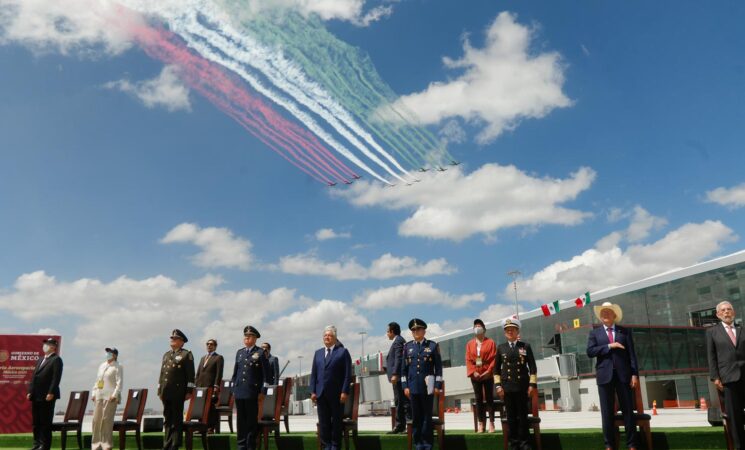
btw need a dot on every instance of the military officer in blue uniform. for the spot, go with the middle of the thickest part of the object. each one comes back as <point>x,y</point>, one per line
<point>176,385</point>
<point>421,379</point>
<point>249,374</point>
<point>516,381</point>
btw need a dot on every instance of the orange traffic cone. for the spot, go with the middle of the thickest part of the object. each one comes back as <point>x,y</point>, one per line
<point>704,406</point>
<point>654,407</point>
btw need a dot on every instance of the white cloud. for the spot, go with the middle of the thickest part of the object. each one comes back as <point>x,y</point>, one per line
<point>353,11</point>
<point>501,84</point>
<point>414,294</point>
<point>219,247</point>
<point>166,90</point>
<point>80,26</point>
<point>609,265</point>
<point>385,267</point>
<point>325,234</point>
<point>733,197</point>
<point>454,205</point>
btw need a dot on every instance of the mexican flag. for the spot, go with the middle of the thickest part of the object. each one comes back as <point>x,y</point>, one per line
<point>550,309</point>
<point>582,301</point>
<point>380,361</point>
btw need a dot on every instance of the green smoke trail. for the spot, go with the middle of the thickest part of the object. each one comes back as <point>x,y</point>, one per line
<point>344,71</point>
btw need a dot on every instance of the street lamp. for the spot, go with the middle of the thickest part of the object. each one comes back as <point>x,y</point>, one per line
<point>514,274</point>
<point>300,363</point>
<point>362,334</point>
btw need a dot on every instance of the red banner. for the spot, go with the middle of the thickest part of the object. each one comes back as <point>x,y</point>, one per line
<point>18,355</point>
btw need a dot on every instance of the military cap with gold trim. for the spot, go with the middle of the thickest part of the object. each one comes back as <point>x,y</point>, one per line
<point>251,331</point>
<point>417,323</point>
<point>511,323</point>
<point>178,334</point>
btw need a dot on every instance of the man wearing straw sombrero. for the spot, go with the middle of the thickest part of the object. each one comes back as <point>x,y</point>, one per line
<point>616,370</point>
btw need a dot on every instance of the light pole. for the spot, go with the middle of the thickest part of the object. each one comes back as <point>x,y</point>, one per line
<point>514,274</point>
<point>362,334</point>
<point>300,363</point>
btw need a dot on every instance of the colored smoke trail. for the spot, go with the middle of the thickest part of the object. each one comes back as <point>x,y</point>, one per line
<point>348,74</point>
<point>286,138</point>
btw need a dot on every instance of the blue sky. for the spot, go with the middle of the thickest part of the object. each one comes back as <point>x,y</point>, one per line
<point>633,167</point>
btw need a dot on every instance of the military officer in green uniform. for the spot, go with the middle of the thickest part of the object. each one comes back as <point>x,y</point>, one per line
<point>516,381</point>
<point>175,387</point>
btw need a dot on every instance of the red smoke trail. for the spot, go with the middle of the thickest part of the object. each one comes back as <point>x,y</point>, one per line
<point>289,140</point>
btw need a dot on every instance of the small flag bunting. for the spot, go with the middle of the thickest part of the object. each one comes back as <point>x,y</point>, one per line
<point>550,309</point>
<point>582,301</point>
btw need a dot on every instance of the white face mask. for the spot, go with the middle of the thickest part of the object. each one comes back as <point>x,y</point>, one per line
<point>109,356</point>
<point>46,348</point>
<point>478,330</point>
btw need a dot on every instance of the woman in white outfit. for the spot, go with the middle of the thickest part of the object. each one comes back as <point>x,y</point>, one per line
<point>107,393</point>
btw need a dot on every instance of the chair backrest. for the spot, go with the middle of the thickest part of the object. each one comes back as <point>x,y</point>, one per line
<point>226,395</point>
<point>135,406</point>
<point>352,405</point>
<point>438,406</point>
<point>287,387</point>
<point>199,406</point>
<point>272,403</point>
<point>76,406</point>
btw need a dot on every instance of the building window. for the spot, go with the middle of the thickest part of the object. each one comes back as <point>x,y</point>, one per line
<point>583,391</point>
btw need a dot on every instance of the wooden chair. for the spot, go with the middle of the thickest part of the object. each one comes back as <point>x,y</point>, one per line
<point>197,416</point>
<point>73,420</point>
<point>534,422</point>
<point>498,406</point>
<point>725,421</point>
<point>640,418</point>
<point>285,411</point>
<point>349,416</point>
<point>270,413</point>
<point>438,420</point>
<point>132,417</point>
<point>225,405</point>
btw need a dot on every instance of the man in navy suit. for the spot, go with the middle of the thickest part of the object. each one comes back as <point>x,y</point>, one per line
<point>329,386</point>
<point>616,370</point>
<point>393,372</point>
<point>43,391</point>
<point>249,374</point>
<point>725,348</point>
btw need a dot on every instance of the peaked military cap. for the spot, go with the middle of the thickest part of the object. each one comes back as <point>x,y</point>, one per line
<point>417,323</point>
<point>511,323</point>
<point>249,330</point>
<point>179,335</point>
<point>51,341</point>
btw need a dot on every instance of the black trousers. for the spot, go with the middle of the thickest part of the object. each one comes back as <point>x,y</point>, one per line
<point>213,419</point>
<point>330,412</point>
<point>608,393</point>
<point>42,413</point>
<point>483,389</point>
<point>173,421</point>
<point>248,417</point>
<point>734,401</point>
<point>516,406</point>
<point>421,421</point>
<point>403,410</point>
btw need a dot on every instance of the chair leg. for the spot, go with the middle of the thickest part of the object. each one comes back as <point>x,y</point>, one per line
<point>122,439</point>
<point>354,437</point>
<point>727,437</point>
<point>137,438</point>
<point>287,423</point>
<point>648,435</point>
<point>265,434</point>
<point>230,422</point>
<point>346,438</point>
<point>505,436</point>
<point>617,442</point>
<point>63,436</point>
<point>205,443</point>
<point>537,435</point>
<point>188,441</point>
<point>409,432</point>
<point>440,437</point>
<point>80,438</point>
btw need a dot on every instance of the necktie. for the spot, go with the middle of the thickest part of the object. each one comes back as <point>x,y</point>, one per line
<point>512,345</point>
<point>328,353</point>
<point>610,334</point>
<point>731,335</point>
<point>207,358</point>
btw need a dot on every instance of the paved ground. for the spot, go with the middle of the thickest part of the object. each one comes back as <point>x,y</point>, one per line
<point>669,418</point>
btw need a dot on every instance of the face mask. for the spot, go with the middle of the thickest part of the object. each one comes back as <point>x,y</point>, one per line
<point>478,330</point>
<point>109,356</point>
<point>46,348</point>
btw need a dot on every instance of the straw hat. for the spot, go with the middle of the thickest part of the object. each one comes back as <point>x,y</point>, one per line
<point>613,307</point>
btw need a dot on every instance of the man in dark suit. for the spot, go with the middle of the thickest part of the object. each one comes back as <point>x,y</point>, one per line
<point>249,376</point>
<point>330,377</point>
<point>273,370</point>
<point>393,372</point>
<point>175,386</point>
<point>616,370</point>
<point>725,348</point>
<point>209,374</point>
<point>43,392</point>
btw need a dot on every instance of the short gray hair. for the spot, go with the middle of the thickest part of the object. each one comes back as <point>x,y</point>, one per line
<point>724,302</point>
<point>330,328</point>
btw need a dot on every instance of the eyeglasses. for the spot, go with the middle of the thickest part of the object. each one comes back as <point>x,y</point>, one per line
<point>211,344</point>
